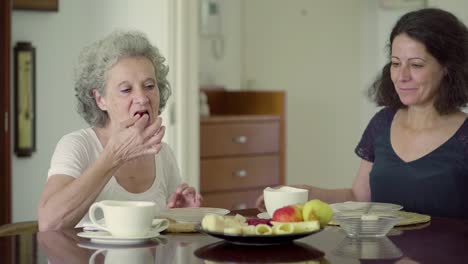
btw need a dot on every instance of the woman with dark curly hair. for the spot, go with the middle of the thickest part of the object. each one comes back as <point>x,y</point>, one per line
<point>121,88</point>
<point>415,150</point>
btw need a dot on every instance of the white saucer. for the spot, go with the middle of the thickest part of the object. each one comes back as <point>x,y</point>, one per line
<point>154,242</point>
<point>263,215</point>
<point>103,237</point>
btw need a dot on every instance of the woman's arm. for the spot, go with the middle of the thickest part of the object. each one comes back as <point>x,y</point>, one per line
<point>65,200</point>
<point>359,192</point>
<point>361,185</point>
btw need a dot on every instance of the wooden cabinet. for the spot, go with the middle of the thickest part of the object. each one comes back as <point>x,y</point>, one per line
<point>241,147</point>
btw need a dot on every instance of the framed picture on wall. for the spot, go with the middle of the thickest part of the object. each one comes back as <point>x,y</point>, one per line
<point>41,5</point>
<point>25,99</point>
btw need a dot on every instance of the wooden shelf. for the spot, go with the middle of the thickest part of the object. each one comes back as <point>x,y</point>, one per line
<point>242,146</point>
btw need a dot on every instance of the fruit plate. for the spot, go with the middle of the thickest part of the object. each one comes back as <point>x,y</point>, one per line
<point>257,240</point>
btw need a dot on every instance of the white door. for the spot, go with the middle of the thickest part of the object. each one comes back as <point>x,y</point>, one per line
<point>183,108</point>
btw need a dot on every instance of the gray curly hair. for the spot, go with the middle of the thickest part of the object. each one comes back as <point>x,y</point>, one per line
<point>98,58</point>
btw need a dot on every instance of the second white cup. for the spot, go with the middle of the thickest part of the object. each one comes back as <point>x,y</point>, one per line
<point>285,195</point>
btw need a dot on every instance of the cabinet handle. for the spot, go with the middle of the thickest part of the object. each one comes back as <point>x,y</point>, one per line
<point>240,173</point>
<point>240,139</point>
<point>240,206</point>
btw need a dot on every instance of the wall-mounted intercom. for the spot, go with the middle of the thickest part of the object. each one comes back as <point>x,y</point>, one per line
<point>210,18</point>
<point>211,26</point>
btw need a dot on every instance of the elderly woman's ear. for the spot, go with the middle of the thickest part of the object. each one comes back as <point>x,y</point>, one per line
<point>100,101</point>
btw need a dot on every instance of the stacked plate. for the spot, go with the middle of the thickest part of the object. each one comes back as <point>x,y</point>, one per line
<point>366,207</point>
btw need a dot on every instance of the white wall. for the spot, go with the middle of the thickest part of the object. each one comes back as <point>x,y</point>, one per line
<point>312,50</point>
<point>58,38</point>
<point>457,7</point>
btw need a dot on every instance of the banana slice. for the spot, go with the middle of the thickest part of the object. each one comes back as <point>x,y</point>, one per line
<point>306,226</point>
<point>240,219</point>
<point>230,222</point>
<point>263,229</point>
<point>233,230</point>
<point>283,228</point>
<point>248,230</point>
<point>214,223</point>
<point>369,217</point>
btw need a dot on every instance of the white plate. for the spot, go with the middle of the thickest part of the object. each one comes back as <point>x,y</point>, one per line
<point>161,224</point>
<point>367,207</point>
<point>264,215</point>
<point>103,237</point>
<point>191,215</point>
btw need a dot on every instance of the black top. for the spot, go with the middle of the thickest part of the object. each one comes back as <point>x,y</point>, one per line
<point>435,184</point>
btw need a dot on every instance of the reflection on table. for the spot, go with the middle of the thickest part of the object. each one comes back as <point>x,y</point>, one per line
<point>298,252</point>
<point>367,248</point>
<point>441,241</point>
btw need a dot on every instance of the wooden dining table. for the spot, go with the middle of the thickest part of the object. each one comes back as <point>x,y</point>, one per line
<point>442,240</point>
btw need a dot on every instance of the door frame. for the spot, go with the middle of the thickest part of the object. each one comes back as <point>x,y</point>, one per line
<point>183,55</point>
<point>6,248</point>
<point>5,154</point>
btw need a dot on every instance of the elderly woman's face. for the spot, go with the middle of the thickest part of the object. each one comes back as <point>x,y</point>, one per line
<point>415,73</point>
<point>131,89</point>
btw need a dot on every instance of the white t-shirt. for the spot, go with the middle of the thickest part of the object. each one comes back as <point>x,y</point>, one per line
<point>76,151</point>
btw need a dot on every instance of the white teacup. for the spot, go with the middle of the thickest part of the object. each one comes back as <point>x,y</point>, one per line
<point>124,218</point>
<point>285,195</point>
<point>124,255</point>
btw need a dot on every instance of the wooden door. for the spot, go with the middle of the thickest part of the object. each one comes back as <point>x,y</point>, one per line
<point>6,247</point>
<point>5,159</point>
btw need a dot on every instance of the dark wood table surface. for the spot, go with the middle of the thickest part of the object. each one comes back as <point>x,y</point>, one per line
<point>439,241</point>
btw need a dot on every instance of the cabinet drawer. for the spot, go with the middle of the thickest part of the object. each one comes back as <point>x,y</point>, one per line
<point>221,139</point>
<point>232,200</point>
<point>239,173</point>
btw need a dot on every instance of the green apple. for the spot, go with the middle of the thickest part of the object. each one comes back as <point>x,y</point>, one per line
<point>317,210</point>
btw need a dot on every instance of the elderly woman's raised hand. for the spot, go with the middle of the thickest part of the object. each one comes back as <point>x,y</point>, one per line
<point>184,196</point>
<point>135,139</point>
<point>260,203</point>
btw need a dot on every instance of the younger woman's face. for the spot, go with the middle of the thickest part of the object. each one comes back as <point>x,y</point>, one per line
<point>415,73</point>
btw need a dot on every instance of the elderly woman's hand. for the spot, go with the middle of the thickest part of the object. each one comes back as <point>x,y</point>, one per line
<point>134,138</point>
<point>260,203</point>
<point>184,196</point>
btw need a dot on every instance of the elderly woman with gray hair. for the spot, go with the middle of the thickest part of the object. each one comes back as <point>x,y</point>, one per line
<point>121,88</point>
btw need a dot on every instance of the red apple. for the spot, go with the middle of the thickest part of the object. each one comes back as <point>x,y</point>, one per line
<point>290,213</point>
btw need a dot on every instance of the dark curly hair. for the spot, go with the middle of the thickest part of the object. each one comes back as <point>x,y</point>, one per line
<point>446,39</point>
